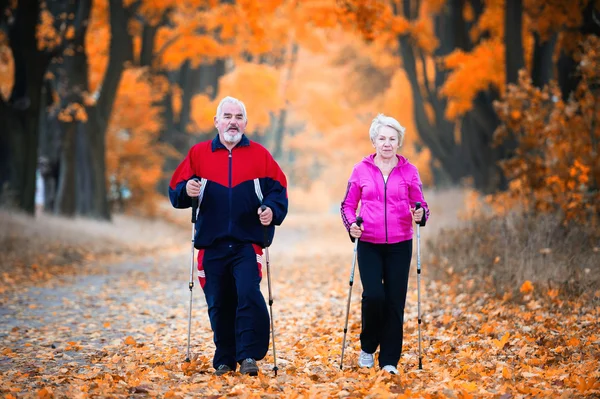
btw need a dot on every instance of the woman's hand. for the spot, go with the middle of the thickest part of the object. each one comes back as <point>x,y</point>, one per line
<point>356,231</point>
<point>417,214</point>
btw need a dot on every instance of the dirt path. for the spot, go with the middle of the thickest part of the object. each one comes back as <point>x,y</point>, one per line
<point>121,332</point>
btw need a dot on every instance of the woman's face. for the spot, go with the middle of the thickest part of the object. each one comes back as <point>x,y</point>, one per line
<point>386,142</point>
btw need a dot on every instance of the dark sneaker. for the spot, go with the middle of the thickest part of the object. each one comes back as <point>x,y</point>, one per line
<point>223,369</point>
<point>249,367</point>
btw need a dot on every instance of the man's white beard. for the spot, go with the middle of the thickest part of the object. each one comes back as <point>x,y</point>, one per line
<point>232,137</point>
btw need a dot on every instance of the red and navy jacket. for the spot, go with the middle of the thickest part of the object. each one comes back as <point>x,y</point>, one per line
<point>235,184</point>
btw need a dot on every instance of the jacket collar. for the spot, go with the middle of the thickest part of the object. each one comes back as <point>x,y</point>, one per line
<point>217,145</point>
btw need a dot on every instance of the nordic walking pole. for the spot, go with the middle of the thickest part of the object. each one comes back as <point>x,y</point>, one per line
<point>191,283</point>
<point>263,207</point>
<point>359,221</point>
<point>417,206</point>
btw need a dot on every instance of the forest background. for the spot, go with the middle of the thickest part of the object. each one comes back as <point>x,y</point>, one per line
<point>100,100</point>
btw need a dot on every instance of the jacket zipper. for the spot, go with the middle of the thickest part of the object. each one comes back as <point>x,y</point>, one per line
<point>230,190</point>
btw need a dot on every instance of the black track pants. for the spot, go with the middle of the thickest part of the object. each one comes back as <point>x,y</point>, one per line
<point>384,270</point>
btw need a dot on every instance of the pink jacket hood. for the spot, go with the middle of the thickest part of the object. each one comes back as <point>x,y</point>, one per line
<point>384,206</point>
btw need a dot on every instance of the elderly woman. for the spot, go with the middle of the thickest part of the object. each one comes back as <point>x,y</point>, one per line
<point>388,188</point>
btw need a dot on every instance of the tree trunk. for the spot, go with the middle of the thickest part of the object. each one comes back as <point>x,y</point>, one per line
<point>171,136</point>
<point>190,86</point>
<point>482,156</point>
<point>72,79</point>
<point>20,115</point>
<point>438,137</point>
<point>279,133</point>
<point>543,65</point>
<point>96,148</point>
<point>513,39</point>
<point>49,146</point>
<point>485,121</point>
<point>84,176</point>
<point>120,51</point>
<point>437,134</point>
<point>147,50</point>
<point>566,65</point>
<point>473,155</point>
<point>280,124</point>
<point>66,201</point>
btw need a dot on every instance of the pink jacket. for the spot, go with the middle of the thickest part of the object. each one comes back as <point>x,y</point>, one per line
<point>385,207</point>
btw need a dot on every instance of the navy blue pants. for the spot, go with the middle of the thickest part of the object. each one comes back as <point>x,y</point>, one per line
<point>230,276</point>
<point>384,270</point>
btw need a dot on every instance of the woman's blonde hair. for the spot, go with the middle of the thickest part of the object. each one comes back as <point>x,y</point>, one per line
<point>381,120</point>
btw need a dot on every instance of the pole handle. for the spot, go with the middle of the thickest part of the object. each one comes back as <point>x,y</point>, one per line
<point>194,208</point>
<point>359,221</point>
<point>422,222</point>
<point>195,202</point>
<point>265,230</point>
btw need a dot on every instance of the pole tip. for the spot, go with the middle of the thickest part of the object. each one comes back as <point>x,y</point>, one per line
<point>187,359</point>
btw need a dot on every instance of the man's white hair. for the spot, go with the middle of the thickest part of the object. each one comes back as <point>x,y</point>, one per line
<point>381,120</point>
<point>231,100</point>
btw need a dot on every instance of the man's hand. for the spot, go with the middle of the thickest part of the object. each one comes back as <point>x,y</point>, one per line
<point>266,216</point>
<point>356,231</point>
<point>192,188</point>
<point>417,214</point>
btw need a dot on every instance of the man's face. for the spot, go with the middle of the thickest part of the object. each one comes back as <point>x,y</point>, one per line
<point>230,124</point>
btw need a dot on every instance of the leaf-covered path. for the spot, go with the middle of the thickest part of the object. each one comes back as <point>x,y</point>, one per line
<point>121,332</point>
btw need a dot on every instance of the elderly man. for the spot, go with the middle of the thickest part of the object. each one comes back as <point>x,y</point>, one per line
<point>232,177</point>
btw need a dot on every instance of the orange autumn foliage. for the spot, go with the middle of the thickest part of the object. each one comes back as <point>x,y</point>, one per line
<point>256,85</point>
<point>482,68</point>
<point>376,21</point>
<point>97,41</point>
<point>334,97</point>
<point>473,72</point>
<point>256,38</point>
<point>6,67</point>
<point>202,31</point>
<point>546,16</point>
<point>556,165</point>
<point>133,157</point>
<point>48,37</point>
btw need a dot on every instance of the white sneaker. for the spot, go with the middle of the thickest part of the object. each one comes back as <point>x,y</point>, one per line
<point>390,369</point>
<point>366,359</point>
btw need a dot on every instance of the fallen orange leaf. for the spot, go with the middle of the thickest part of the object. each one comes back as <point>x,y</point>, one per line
<point>500,343</point>
<point>45,393</point>
<point>527,287</point>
